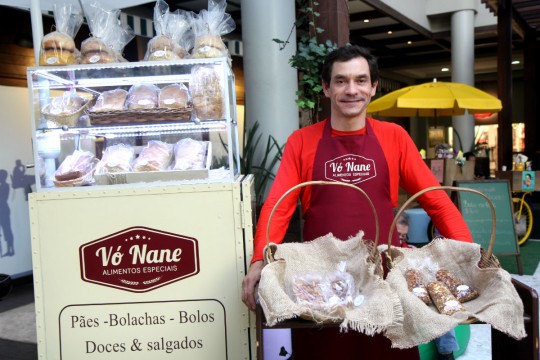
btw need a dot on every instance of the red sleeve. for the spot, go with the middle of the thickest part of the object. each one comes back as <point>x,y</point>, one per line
<point>408,170</point>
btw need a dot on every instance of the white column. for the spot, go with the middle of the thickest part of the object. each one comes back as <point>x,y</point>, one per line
<point>37,27</point>
<point>270,82</point>
<point>270,85</point>
<point>463,72</point>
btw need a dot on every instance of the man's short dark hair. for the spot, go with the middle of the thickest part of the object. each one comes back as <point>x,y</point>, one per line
<point>346,53</point>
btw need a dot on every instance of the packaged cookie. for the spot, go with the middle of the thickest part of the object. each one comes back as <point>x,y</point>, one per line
<point>416,285</point>
<point>459,289</point>
<point>443,299</point>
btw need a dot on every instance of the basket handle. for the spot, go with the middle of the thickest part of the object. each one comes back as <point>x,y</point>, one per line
<point>270,256</point>
<point>452,188</point>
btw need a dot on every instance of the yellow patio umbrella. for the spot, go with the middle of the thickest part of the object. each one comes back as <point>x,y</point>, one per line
<point>435,99</point>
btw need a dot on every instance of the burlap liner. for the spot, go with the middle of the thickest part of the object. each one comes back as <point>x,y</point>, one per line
<point>380,309</point>
<point>498,304</point>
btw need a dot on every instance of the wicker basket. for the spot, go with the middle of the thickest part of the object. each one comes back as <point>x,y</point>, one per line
<point>488,260</point>
<point>64,119</point>
<point>140,116</point>
<point>321,256</point>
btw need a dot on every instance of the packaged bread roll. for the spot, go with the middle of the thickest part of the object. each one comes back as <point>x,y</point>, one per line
<point>75,166</point>
<point>459,289</point>
<point>66,104</point>
<point>416,285</point>
<point>190,154</point>
<point>58,47</point>
<point>116,158</point>
<point>110,100</point>
<point>208,28</point>
<point>443,299</point>
<point>206,92</point>
<point>174,96</point>
<point>155,156</point>
<point>142,96</point>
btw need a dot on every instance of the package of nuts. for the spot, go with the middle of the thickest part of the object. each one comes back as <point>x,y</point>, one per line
<point>416,285</point>
<point>443,299</point>
<point>459,289</point>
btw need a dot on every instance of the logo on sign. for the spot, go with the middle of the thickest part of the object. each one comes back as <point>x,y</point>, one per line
<point>350,168</point>
<point>139,259</point>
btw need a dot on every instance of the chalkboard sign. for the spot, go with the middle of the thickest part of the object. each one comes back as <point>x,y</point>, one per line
<point>477,214</point>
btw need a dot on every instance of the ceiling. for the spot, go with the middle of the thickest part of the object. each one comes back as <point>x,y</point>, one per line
<point>427,53</point>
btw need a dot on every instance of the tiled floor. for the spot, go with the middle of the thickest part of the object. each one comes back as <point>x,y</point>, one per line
<point>18,333</point>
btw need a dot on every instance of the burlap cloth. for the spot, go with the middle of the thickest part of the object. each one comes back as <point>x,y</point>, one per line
<point>498,303</point>
<point>380,309</point>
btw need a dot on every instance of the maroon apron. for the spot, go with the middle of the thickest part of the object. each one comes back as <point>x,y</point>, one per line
<point>359,160</point>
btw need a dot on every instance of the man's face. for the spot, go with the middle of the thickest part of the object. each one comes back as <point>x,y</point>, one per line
<point>350,88</point>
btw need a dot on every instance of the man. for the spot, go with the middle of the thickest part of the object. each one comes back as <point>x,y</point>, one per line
<point>374,155</point>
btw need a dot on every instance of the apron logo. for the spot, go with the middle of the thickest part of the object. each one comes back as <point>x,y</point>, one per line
<point>350,168</point>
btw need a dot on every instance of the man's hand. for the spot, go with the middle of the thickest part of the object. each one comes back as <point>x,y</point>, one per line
<point>250,283</point>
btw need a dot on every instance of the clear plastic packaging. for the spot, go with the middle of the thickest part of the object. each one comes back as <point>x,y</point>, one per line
<point>170,28</point>
<point>109,36</point>
<point>174,96</point>
<point>208,27</point>
<point>58,47</point>
<point>327,293</point>
<point>207,93</point>
<point>155,156</point>
<point>190,154</point>
<point>116,158</point>
<point>110,100</point>
<point>459,289</point>
<point>416,285</point>
<point>142,96</point>
<point>77,166</point>
<point>443,299</point>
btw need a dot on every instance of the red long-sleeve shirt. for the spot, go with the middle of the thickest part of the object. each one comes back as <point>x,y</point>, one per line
<point>406,168</point>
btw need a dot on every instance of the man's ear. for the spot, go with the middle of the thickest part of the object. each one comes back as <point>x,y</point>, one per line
<point>374,88</point>
<point>325,89</point>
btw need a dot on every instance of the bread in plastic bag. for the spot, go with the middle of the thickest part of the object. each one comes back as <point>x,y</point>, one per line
<point>189,154</point>
<point>109,36</point>
<point>208,28</point>
<point>457,287</point>
<point>142,96</point>
<point>155,156</point>
<point>78,165</point>
<point>116,158</point>
<point>58,47</point>
<point>206,93</point>
<point>174,96</point>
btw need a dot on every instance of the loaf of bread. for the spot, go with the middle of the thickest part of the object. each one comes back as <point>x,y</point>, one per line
<point>110,100</point>
<point>116,158</point>
<point>209,46</point>
<point>174,96</point>
<point>155,156</point>
<point>76,165</point>
<point>190,154</point>
<point>95,51</point>
<point>66,104</point>
<point>58,48</point>
<point>142,96</point>
<point>207,94</point>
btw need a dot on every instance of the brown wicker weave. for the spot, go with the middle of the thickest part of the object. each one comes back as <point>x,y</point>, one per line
<point>139,116</point>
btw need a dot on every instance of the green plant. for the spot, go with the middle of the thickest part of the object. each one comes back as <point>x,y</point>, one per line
<point>263,170</point>
<point>309,57</point>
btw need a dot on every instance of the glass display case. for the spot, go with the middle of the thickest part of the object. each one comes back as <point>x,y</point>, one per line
<point>76,124</point>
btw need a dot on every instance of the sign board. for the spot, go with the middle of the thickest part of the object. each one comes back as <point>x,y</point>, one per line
<point>477,214</point>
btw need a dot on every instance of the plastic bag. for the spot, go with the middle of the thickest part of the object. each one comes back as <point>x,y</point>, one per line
<point>76,166</point>
<point>155,156</point>
<point>58,47</point>
<point>190,154</point>
<point>208,27</point>
<point>206,92</point>
<point>109,36</point>
<point>170,28</point>
<point>116,158</point>
<point>174,96</point>
<point>66,104</point>
<point>142,96</point>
